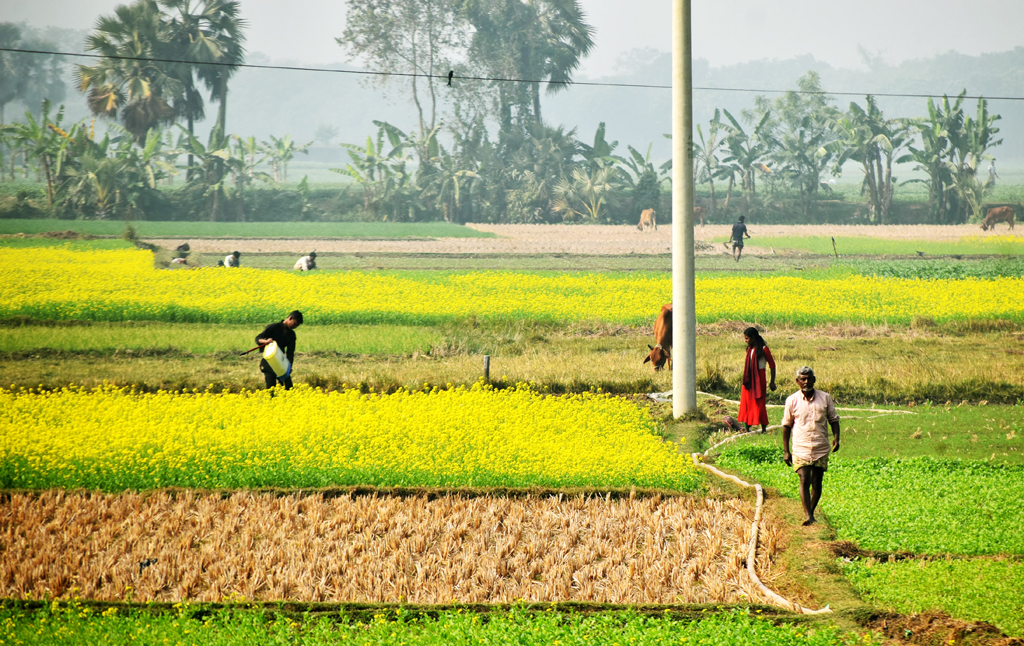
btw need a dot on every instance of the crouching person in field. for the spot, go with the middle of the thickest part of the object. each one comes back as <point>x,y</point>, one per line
<point>282,332</point>
<point>804,420</point>
<point>306,263</point>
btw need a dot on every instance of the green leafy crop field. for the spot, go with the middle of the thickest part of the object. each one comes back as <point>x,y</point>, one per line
<point>923,505</point>
<point>968,589</point>
<point>66,625</point>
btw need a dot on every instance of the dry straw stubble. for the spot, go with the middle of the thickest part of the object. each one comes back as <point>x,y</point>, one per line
<point>376,548</point>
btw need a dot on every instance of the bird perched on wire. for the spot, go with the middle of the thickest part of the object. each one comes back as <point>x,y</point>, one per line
<point>451,73</point>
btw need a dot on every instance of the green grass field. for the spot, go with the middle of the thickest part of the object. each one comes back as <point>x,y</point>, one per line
<point>147,229</point>
<point>1007,244</point>
<point>78,625</point>
<point>923,505</point>
<point>933,363</point>
<point>73,245</point>
<point>967,589</point>
<point>182,339</point>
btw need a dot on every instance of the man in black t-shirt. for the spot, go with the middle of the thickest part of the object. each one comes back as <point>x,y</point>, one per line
<point>283,332</point>
<point>739,231</point>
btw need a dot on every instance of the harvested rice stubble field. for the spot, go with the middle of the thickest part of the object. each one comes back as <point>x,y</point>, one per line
<point>370,548</point>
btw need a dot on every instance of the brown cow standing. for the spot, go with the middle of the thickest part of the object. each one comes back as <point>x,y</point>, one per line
<point>998,214</point>
<point>663,337</point>
<point>647,219</point>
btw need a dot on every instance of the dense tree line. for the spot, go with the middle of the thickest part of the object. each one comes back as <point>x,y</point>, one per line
<point>478,151</point>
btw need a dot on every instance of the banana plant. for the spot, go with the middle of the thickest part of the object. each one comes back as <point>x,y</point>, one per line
<point>379,173</point>
<point>280,152</point>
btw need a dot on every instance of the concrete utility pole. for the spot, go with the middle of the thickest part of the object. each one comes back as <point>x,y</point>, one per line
<point>684,310</point>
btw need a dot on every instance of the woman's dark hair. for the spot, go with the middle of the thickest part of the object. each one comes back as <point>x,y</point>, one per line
<point>755,339</point>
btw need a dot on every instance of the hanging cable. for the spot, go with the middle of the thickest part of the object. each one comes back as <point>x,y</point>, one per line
<point>444,77</point>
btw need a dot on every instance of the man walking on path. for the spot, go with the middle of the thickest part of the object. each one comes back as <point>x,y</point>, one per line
<point>283,333</point>
<point>804,419</point>
<point>739,231</point>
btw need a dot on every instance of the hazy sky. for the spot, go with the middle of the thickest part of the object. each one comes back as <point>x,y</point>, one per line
<point>724,32</point>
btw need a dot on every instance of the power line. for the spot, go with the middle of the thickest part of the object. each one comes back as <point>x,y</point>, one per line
<point>443,77</point>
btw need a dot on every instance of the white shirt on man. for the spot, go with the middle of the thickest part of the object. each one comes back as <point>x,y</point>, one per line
<point>230,260</point>
<point>810,420</point>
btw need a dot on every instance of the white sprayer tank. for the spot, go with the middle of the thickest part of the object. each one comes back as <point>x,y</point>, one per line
<point>275,357</point>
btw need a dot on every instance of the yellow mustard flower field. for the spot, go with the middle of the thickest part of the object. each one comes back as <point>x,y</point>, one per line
<point>114,439</point>
<point>61,284</point>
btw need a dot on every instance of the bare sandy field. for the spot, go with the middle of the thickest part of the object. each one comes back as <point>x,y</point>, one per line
<point>380,548</point>
<point>574,239</point>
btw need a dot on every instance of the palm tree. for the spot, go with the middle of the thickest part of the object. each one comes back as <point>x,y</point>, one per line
<point>210,33</point>
<point>125,81</point>
<point>537,40</point>
<point>590,190</point>
<point>558,40</point>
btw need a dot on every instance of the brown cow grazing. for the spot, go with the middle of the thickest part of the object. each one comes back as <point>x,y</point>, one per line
<point>647,219</point>
<point>998,214</point>
<point>663,337</point>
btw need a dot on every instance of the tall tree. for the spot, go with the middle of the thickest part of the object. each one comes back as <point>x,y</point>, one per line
<point>124,82</point>
<point>415,39</point>
<point>218,43</point>
<point>27,78</point>
<point>540,41</point>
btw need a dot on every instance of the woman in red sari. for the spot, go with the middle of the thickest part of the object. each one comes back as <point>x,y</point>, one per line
<point>753,410</point>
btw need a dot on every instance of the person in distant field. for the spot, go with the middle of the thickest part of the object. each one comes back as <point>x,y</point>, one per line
<point>283,333</point>
<point>739,231</point>
<point>992,174</point>
<point>806,414</point>
<point>753,393</point>
<point>231,260</point>
<point>306,263</point>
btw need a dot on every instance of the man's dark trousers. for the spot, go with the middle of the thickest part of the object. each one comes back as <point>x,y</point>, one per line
<point>271,378</point>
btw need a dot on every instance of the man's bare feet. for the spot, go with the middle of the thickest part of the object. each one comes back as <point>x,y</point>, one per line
<point>809,521</point>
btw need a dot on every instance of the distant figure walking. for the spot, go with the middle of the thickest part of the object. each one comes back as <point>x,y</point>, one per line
<point>753,393</point>
<point>739,231</point>
<point>282,333</point>
<point>806,413</point>
<point>231,260</point>
<point>992,174</point>
<point>306,263</point>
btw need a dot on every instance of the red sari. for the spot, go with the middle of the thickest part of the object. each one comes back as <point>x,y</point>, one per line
<point>753,410</point>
